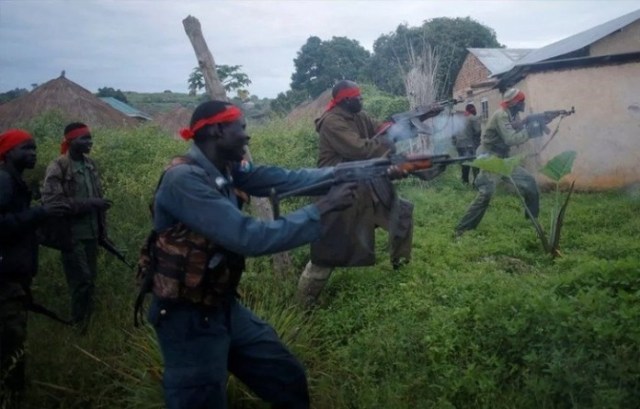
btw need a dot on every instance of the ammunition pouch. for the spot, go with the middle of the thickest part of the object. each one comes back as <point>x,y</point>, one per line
<point>179,264</point>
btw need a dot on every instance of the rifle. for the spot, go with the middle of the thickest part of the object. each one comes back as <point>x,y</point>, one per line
<point>536,124</point>
<point>408,124</point>
<point>108,245</point>
<point>33,306</point>
<point>393,167</point>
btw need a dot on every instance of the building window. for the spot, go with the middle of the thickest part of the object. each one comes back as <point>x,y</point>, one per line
<point>485,109</point>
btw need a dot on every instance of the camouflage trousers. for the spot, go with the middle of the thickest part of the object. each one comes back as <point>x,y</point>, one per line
<point>486,184</point>
<point>314,277</point>
<point>13,333</point>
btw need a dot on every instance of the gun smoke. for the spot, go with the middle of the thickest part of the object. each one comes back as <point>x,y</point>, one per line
<point>436,140</point>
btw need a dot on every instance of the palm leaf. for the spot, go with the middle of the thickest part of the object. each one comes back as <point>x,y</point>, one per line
<point>559,166</point>
<point>493,164</point>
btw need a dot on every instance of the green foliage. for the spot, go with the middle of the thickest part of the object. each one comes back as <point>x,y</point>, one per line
<point>13,94</point>
<point>483,322</point>
<point>448,37</point>
<point>229,75</point>
<point>556,168</point>
<point>320,64</point>
<point>380,104</point>
<point>494,164</point>
<point>110,92</point>
<point>559,166</point>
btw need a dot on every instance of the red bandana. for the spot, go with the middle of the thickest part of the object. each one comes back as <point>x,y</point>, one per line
<point>232,113</point>
<point>12,138</point>
<point>516,98</point>
<point>342,95</point>
<point>71,135</point>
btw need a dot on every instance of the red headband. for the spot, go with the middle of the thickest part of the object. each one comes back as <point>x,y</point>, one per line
<point>232,113</point>
<point>342,95</point>
<point>71,135</point>
<point>516,98</point>
<point>12,138</point>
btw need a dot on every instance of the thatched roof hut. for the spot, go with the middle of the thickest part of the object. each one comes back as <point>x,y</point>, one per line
<point>311,109</point>
<point>174,120</point>
<point>72,101</point>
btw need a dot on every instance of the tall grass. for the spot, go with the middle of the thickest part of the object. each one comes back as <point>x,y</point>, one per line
<point>484,322</point>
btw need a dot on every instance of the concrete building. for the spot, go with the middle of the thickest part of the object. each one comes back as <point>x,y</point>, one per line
<point>597,72</point>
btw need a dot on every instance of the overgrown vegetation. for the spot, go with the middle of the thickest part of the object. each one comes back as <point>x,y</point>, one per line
<point>483,322</point>
<point>555,169</point>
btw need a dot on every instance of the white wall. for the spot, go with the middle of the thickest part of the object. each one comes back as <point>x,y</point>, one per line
<point>605,130</point>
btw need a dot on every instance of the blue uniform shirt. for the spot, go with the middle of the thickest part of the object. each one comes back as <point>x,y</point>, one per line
<point>202,198</point>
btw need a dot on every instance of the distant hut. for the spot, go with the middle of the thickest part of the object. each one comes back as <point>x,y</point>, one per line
<point>310,110</point>
<point>174,120</point>
<point>72,101</point>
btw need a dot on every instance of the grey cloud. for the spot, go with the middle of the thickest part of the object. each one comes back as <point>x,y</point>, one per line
<point>141,45</point>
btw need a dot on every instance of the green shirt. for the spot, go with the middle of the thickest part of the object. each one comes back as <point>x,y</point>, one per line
<point>499,134</point>
<point>84,226</point>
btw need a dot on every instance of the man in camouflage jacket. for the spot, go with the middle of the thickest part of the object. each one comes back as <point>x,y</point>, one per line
<point>73,178</point>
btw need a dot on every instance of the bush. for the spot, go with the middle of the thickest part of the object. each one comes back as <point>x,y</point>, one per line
<point>485,322</point>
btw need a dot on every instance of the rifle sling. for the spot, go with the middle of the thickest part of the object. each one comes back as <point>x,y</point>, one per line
<point>42,310</point>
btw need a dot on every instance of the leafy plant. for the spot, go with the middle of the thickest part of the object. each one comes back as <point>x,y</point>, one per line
<point>230,76</point>
<point>558,167</point>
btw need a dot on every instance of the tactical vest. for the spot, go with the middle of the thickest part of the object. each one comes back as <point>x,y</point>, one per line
<point>178,264</point>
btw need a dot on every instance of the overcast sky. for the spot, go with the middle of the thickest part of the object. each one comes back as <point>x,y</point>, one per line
<point>141,45</point>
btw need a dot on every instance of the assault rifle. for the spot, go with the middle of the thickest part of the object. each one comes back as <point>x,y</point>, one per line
<point>536,124</point>
<point>405,125</point>
<point>393,167</point>
<point>111,248</point>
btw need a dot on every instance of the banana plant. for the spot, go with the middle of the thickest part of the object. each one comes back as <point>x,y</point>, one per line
<point>555,169</point>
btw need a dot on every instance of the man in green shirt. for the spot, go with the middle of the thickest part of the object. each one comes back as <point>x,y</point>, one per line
<point>503,131</point>
<point>73,178</point>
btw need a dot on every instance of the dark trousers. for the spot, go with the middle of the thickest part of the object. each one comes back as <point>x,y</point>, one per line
<point>13,333</point>
<point>467,151</point>
<point>486,185</point>
<point>80,267</point>
<point>200,346</point>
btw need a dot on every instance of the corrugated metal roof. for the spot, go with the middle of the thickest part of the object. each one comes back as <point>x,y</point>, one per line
<point>498,59</point>
<point>125,108</point>
<point>575,42</point>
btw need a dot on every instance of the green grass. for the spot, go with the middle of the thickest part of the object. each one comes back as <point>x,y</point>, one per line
<point>488,321</point>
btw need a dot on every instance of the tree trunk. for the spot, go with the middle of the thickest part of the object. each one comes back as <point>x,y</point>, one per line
<point>260,206</point>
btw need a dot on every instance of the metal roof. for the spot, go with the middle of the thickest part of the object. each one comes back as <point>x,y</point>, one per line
<point>498,59</point>
<point>575,42</point>
<point>125,108</point>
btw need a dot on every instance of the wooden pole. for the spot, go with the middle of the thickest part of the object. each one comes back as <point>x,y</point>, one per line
<point>260,206</point>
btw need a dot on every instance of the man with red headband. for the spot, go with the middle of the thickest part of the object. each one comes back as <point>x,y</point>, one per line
<point>196,258</point>
<point>348,134</point>
<point>73,178</point>
<point>497,139</point>
<point>18,256</point>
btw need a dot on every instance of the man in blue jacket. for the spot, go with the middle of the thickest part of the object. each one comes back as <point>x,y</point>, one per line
<point>202,239</point>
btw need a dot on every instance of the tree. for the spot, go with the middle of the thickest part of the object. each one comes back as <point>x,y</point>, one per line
<point>320,64</point>
<point>110,92</point>
<point>13,94</point>
<point>230,76</point>
<point>286,101</point>
<point>449,39</point>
